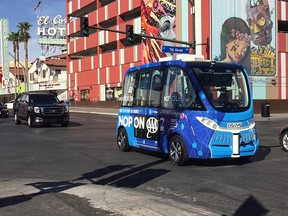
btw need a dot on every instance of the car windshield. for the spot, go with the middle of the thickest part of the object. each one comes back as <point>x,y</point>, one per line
<point>1,104</point>
<point>44,98</point>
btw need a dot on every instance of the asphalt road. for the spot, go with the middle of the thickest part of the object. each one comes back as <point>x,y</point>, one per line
<point>62,171</point>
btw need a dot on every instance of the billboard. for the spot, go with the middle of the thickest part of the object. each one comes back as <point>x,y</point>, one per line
<point>158,19</point>
<point>245,32</point>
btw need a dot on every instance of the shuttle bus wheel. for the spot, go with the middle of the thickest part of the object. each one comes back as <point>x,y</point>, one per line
<point>122,140</point>
<point>177,151</point>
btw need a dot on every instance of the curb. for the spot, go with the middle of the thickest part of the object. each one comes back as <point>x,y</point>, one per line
<point>94,112</point>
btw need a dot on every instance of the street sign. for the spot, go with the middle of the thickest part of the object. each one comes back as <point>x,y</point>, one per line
<point>175,49</point>
<point>20,89</point>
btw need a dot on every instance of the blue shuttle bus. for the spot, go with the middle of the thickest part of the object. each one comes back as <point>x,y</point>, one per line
<point>188,109</point>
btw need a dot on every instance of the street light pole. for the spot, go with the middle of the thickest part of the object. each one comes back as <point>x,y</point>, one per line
<point>192,2</point>
<point>17,73</point>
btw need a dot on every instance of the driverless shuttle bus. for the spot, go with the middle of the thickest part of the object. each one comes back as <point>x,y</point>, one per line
<point>196,109</point>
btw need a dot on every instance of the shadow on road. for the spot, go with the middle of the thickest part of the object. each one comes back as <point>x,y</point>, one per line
<point>262,153</point>
<point>45,187</point>
<point>252,207</point>
<point>129,176</point>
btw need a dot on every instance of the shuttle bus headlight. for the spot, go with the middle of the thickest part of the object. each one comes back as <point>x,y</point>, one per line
<point>208,122</point>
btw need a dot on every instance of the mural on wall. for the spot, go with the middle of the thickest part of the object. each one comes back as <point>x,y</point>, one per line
<point>235,41</point>
<point>244,32</point>
<point>158,19</point>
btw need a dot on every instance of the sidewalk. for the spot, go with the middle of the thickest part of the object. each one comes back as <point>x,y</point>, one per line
<point>114,111</point>
<point>116,201</point>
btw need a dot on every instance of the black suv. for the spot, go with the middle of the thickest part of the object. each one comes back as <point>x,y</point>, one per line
<point>40,108</point>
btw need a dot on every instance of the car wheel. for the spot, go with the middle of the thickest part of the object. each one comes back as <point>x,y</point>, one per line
<point>16,119</point>
<point>177,151</point>
<point>30,121</point>
<point>284,141</point>
<point>122,140</point>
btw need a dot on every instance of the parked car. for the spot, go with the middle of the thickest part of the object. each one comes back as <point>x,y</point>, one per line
<point>283,138</point>
<point>4,112</point>
<point>40,108</point>
<point>9,105</point>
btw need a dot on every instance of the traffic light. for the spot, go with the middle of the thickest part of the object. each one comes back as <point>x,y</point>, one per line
<point>129,33</point>
<point>84,26</point>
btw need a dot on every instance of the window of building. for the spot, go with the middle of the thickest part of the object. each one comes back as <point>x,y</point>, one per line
<point>56,74</point>
<point>85,95</point>
<point>106,2</point>
<point>282,26</point>
<point>44,74</point>
<point>32,77</point>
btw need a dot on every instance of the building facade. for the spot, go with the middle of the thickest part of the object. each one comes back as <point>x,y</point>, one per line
<point>96,64</point>
<point>15,84</point>
<point>49,75</point>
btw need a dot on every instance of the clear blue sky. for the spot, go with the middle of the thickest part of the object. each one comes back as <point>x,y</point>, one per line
<point>23,11</point>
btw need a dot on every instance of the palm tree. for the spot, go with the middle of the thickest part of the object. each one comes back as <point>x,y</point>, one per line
<point>24,28</point>
<point>14,37</point>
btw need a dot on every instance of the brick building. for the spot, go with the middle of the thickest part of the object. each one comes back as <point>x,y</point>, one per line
<point>96,64</point>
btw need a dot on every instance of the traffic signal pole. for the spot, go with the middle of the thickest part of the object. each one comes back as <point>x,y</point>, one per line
<point>190,44</point>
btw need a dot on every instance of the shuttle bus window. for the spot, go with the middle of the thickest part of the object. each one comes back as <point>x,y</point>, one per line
<point>129,90</point>
<point>142,89</point>
<point>178,88</point>
<point>156,88</point>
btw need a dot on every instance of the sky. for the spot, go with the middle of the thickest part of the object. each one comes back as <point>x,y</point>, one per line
<point>17,11</point>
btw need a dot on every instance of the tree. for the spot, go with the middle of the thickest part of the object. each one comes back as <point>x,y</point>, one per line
<point>14,37</point>
<point>24,28</point>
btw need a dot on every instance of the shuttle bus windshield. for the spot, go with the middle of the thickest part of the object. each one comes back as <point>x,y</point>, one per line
<point>226,88</point>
